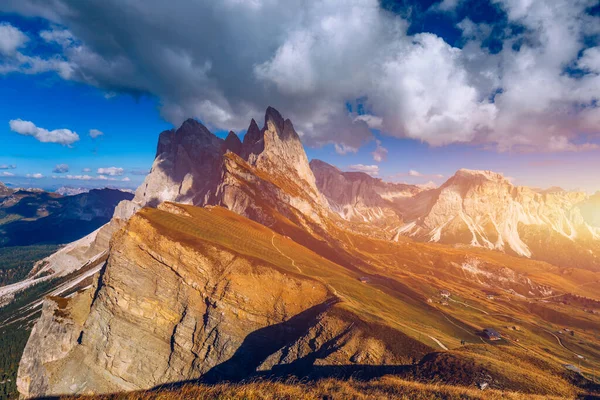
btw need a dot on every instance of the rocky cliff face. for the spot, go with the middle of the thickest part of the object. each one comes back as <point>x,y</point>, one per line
<point>482,208</point>
<point>192,167</point>
<point>171,308</point>
<point>357,196</point>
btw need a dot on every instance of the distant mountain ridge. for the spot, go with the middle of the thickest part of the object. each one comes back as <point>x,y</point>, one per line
<point>39,217</point>
<point>475,208</point>
<point>359,197</point>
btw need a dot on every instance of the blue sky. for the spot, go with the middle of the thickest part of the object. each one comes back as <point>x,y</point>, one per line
<point>479,85</point>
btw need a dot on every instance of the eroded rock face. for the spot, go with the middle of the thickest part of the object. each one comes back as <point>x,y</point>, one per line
<point>483,208</point>
<point>52,338</point>
<point>359,197</point>
<point>192,167</point>
<point>163,312</point>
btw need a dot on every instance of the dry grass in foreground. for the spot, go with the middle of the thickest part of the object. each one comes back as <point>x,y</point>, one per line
<point>384,388</point>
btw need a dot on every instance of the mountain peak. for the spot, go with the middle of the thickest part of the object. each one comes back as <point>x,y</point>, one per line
<point>253,141</point>
<point>253,134</point>
<point>320,164</point>
<point>232,143</point>
<point>192,127</point>
<point>474,173</point>
<point>275,117</point>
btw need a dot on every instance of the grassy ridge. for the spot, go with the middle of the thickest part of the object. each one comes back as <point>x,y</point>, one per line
<point>371,302</point>
<point>380,389</point>
<point>395,295</point>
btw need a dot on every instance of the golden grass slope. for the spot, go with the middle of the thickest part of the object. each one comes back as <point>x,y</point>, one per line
<point>401,278</point>
<point>384,388</point>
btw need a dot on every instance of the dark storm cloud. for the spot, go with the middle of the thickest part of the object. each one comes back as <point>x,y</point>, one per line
<point>225,61</point>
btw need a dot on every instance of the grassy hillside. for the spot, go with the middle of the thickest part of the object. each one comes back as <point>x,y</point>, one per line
<point>379,389</point>
<point>396,307</point>
<point>393,292</point>
<point>397,285</point>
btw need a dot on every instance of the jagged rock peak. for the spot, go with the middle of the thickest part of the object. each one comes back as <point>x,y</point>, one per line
<point>275,117</point>
<point>232,143</point>
<point>253,134</point>
<point>191,133</point>
<point>192,127</point>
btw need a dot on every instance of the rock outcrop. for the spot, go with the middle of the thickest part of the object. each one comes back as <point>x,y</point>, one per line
<point>359,197</point>
<point>482,208</point>
<point>170,308</point>
<point>193,166</point>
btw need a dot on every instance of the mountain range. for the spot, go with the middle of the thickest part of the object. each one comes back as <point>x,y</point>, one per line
<point>37,217</point>
<point>240,259</point>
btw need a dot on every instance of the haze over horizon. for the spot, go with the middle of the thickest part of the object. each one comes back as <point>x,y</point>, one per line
<point>406,91</point>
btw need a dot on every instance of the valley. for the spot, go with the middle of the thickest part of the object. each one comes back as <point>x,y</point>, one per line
<point>234,262</point>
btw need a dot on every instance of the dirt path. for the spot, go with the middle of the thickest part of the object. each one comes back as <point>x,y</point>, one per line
<point>438,342</point>
<point>281,252</point>
<point>467,305</point>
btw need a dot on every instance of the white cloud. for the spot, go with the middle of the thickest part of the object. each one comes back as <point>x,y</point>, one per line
<point>562,143</point>
<point>35,176</point>
<point>139,171</point>
<point>372,170</point>
<point>111,171</point>
<point>447,5</point>
<point>590,60</point>
<point>6,173</point>
<point>314,57</point>
<point>372,121</point>
<point>60,36</point>
<point>343,149</point>
<point>86,170</point>
<point>416,174</point>
<point>380,152</point>
<point>79,177</point>
<point>28,128</point>
<point>126,179</point>
<point>94,133</point>
<point>8,166</point>
<point>61,169</point>
<point>11,39</point>
<point>87,178</point>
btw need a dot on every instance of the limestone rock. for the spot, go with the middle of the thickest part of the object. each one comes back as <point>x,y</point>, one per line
<point>359,197</point>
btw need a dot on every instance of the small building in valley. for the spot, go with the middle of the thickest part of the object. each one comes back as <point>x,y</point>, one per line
<point>492,334</point>
<point>445,293</point>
